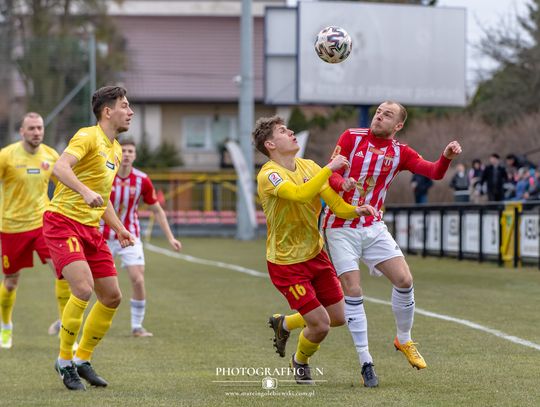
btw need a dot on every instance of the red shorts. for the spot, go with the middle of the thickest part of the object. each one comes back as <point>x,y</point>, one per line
<point>307,285</point>
<point>71,241</point>
<point>18,250</point>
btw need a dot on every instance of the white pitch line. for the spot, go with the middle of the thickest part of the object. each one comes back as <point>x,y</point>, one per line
<point>420,311</point>
<point>205,262</point>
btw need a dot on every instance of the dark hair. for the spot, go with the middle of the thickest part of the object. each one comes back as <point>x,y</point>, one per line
<point>495,155</point>
<point>127,141</point>
<point>264,128</point>
<point>106,97</point>
<point>476,161</point>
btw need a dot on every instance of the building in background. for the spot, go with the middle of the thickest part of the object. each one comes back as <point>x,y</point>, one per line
<point>183,72</point>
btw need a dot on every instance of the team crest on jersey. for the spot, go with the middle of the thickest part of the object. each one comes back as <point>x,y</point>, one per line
<point>388,160</point>
<point>275,179</point>
<point>45,165</point>
<point>132,190</point>
<point>337,150</point>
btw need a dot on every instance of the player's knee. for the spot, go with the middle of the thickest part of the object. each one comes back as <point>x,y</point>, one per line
<point>351,284</point>
<point>138,280</point>
<point>113,300</point>
<point>337,320</point>
<point>11,283</point>
<point>321,328</point>
<point>352,290</point>
<point>83,291</point>
<point>404,281</point>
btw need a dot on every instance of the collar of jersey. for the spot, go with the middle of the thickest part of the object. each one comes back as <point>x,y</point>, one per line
<point>379,142</point>
<point>103,135</point>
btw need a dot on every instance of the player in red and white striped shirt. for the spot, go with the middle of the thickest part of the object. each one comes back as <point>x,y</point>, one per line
<point>129,187</point>
<point>376,157</point>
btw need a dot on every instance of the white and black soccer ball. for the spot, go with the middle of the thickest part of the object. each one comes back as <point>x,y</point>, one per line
<point>333,44</point>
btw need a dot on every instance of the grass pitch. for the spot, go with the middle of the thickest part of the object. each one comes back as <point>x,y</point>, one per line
<point>207,318</point>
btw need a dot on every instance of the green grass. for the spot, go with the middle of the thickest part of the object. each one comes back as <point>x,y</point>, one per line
<point>205,318</point>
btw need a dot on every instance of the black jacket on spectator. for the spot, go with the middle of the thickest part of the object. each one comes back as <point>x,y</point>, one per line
<point>494,177</point>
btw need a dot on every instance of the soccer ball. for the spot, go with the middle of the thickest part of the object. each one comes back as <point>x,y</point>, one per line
<point>333,44</point>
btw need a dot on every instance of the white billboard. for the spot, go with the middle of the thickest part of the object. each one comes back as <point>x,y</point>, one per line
<point>411,54</point>
<point>529,235</point>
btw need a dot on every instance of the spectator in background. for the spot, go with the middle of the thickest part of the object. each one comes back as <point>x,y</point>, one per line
<point>420,186</point>
<point>534,192</point>
<point>460,184</point>
<point>513,164</point>
<point>475,180</point>
<point>525,185</point>
<point>494,176</point>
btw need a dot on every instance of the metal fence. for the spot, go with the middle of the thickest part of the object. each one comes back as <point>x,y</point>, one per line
<point>506,232</point>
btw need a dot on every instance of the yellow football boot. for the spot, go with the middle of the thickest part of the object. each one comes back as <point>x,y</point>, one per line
<point>411,353</point>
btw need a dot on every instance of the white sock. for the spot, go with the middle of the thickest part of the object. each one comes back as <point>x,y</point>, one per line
<point>138,308</point>
<point>7,327</point>
<point>79,361</point>
<point>357,323</point>
<point>64,362</point>
<point>285,325</point>
<point>403,308</point>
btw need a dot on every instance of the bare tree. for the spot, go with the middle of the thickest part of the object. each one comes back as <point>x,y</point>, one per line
<point>50,50</point>
<point>513,89</point>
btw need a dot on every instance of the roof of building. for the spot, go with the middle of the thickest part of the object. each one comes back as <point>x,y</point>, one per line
<point>187,58</point>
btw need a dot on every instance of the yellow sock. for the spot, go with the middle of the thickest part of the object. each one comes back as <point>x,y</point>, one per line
<point>62,291</point>
<point>7,300</point>
<point>72,318</point>
<point>97,324</point>
<point>305,349</point>
<point>294,321</point>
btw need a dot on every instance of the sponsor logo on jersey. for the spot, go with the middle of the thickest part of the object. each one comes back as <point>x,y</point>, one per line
<point>375,151</point>
<point>275,179</point>
<point>359,154</point>
<point>45,165</point>
<point>33,171</point>
<point>110,165</point>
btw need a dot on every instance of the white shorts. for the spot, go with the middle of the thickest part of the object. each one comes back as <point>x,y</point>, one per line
<point>130,255</point>
<point>372,244</point>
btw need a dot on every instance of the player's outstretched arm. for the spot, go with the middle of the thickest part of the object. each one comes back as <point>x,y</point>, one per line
<point>307,191</point>
<point>63,171</point>
<point>124,236</point>
<point>433,170</point>
<point>342,209</point>
<point>452,150</point>
<point>161,217</point>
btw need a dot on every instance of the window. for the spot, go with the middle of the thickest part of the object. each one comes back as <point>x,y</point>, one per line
<point>208,133</point>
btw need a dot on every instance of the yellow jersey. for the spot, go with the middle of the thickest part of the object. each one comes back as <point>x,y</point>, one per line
<point>25,181</point>
<point>293,234</point>
<point>98,164</point>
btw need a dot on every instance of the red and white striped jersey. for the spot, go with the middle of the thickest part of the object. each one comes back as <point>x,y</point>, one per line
<point>125,196</point>
<point>375,162</point>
